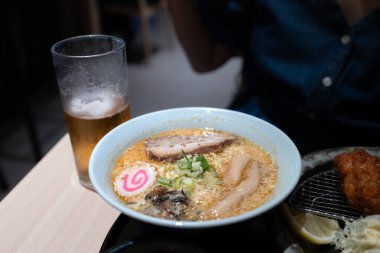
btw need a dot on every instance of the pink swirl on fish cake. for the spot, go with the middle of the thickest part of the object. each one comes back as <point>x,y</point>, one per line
<point>135,180</point>
<point>138,180</point>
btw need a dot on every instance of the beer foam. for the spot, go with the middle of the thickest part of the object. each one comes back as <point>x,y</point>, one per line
<point>94,105</point>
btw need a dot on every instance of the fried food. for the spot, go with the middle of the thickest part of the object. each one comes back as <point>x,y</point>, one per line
<point>360,180</point>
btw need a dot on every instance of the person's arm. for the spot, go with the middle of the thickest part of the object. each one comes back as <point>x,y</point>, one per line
<point>204,53</point>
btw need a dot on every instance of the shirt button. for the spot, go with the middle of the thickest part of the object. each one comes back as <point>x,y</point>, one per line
<point>327,81</point>
<point>345,39</point>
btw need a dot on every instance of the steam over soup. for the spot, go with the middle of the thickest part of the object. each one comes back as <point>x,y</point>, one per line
<point>194,174</point>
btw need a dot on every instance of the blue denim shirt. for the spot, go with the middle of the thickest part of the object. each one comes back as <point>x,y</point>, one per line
<point>306,69</point>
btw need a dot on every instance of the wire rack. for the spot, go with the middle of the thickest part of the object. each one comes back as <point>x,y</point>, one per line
<point>321,194</point>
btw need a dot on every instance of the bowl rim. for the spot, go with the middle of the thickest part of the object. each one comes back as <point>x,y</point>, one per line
<point>194,224</point>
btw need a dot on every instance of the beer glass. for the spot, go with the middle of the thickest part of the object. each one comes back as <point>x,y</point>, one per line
<point>91,72</point>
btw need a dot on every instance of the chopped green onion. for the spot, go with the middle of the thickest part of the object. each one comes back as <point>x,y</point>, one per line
<point>185,156</point>
<point>204,163</point>
<point>184,164</point>
<point>167,182</point>
<point>192,166</point>
<point>185,183</point>
<point>196,170</point>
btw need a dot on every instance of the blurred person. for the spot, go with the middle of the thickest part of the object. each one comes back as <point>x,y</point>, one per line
<point>312,68</point>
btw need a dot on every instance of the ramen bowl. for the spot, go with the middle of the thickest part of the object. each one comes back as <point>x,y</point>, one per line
<point>269,137</point>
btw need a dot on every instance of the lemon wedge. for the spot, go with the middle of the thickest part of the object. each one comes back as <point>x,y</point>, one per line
<point>313,228</point>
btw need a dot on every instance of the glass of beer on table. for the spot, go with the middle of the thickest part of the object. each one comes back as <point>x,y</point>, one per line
<point>91,72</point>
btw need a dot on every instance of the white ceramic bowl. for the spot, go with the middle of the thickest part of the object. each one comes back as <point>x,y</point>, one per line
<point>273,140</point>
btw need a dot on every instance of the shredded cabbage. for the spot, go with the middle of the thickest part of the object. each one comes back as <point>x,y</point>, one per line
<point>359,236</point>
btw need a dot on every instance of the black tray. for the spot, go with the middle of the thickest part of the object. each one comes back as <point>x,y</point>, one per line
<point>130,235</point>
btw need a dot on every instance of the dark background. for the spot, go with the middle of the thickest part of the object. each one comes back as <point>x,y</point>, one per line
<point>30,28</point>
<point>27,77</point>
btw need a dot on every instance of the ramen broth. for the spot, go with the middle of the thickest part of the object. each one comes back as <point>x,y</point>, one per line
<point>197,195</point>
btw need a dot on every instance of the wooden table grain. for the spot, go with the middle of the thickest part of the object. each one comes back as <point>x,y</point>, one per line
<point>49,211</point>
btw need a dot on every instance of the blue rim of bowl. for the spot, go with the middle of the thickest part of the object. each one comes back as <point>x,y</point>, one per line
<point>197,224</point>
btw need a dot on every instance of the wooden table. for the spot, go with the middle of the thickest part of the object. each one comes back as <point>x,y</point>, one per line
<point>49,211</point>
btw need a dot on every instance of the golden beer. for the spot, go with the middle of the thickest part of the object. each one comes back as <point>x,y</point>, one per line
<point>88,119</point>
<point>92,78</point>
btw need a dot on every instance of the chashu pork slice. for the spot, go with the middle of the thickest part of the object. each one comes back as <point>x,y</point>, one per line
<point>171,148</point>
